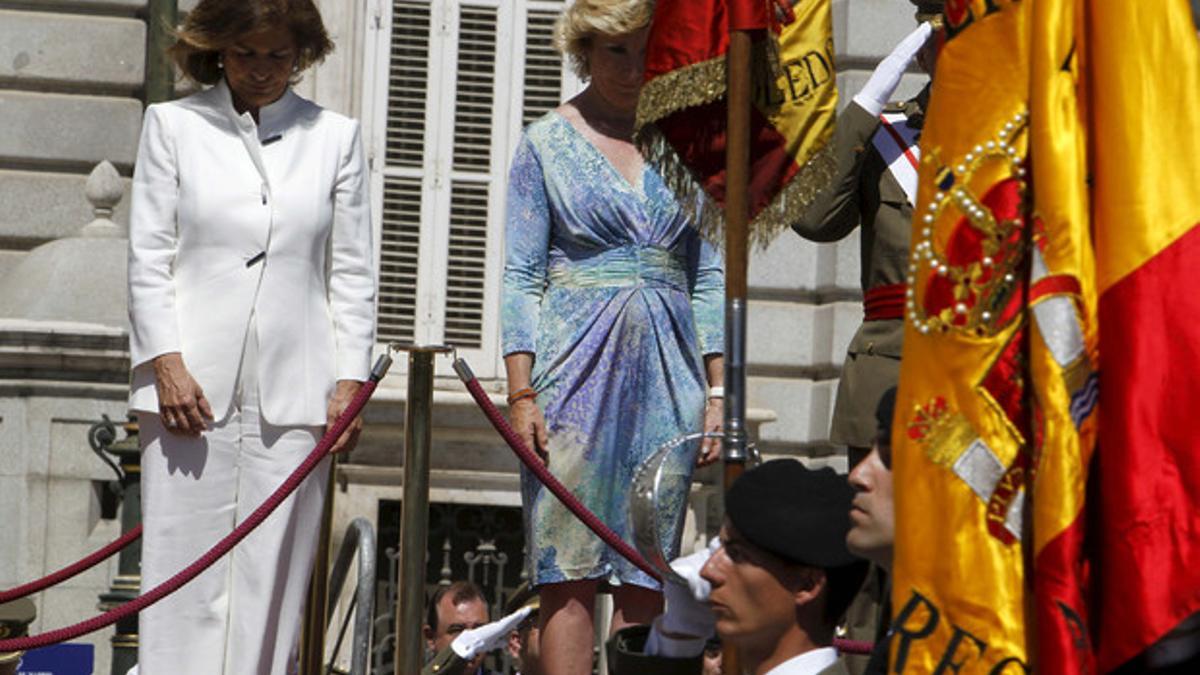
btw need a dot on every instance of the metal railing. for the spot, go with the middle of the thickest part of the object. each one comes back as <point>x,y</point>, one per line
<point>359,542</point>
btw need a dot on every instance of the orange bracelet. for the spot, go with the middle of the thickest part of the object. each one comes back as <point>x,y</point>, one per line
<point>520,394</point>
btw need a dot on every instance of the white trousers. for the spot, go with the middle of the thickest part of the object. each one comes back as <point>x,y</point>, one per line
<point>242,616</point>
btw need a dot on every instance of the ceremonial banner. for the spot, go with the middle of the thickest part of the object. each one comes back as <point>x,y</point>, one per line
<point>682,113</point>
<point>1061,310</point>
<point>966,435</point>
<point>1036,304</point>
<point>1145,147</point>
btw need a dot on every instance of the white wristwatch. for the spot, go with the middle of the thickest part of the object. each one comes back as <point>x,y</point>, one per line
<point>716,392</point>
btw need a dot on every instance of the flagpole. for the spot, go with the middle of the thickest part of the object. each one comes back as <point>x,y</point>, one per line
<point>737,212</point>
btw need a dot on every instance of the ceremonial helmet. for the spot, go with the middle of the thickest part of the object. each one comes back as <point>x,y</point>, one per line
<point>929,10</point>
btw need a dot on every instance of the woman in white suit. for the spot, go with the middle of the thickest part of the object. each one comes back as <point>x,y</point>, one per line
<point>251,302</point>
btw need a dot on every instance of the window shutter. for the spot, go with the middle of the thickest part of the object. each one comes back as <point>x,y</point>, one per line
<point>405,147</point>
<point>474,131</point>
<point>543,64</point>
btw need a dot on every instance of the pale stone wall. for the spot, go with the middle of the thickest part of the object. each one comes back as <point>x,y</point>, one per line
<point>70,73</point>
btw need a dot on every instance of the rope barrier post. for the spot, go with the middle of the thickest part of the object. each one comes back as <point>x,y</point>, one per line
<point>312,633</point>
<point>127,584</point>
<point>414,513</point>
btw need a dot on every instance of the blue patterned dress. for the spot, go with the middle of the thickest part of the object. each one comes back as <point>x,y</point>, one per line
<point>618,299</point>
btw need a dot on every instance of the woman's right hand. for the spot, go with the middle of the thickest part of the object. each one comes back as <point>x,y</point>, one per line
<point>181,401</point>
<point>526,419</point>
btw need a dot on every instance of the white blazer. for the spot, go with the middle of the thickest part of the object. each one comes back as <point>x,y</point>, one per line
<point>228,218</point>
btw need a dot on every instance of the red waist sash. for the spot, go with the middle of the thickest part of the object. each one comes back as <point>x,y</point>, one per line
<point>884,303</point>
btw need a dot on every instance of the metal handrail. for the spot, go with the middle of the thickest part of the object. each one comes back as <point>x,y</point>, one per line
<point>360,540</point>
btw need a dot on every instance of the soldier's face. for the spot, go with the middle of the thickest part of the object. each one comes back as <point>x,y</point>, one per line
<point>872,532</point>
<point>928,55</point>
<point>753,592</point>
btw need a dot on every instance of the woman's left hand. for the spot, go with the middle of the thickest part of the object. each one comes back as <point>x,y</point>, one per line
<point>342,395</point>
<point>714,422</point>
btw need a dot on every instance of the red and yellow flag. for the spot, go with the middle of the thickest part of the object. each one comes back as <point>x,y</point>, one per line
<point>1052,334</point>
<point>1145,157</point>
<point>682,114</point>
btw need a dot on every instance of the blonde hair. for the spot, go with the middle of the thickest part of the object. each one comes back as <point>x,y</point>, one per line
<point>584,19</point>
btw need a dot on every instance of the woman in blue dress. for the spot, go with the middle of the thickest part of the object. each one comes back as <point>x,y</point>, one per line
<point>612,326</point>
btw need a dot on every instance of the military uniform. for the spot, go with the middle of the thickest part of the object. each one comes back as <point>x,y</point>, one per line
<point>866,193</point>
<point>446,662</point>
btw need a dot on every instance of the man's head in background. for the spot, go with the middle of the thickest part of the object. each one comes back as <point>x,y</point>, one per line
<point>872,532</point>
<point>452,609</point>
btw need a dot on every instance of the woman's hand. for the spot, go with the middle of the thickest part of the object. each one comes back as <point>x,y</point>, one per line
<point>343,394</point>
<point>714,422</point>
<point>181,401</point>
<point>526,419</point>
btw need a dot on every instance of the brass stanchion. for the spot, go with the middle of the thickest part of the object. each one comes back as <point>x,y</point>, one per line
<point>414,514</point>
<point>312,634</point>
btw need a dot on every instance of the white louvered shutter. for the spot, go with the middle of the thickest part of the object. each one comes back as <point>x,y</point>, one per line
<point>450,85</point>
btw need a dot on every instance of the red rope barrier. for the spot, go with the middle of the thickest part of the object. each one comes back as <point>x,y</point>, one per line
<point>222,547</point>
<point>535,464</point>
<point>853,646</point>
<point>73,569</point>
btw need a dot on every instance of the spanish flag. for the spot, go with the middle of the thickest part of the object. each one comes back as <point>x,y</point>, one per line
<point>1144,84</point>
<point>1048,500</point>
<point>682,113</point>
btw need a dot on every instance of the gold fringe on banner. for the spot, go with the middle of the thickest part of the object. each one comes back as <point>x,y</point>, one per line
<point>688,87</point>
<point>793,200</point>
<point>787,207</point>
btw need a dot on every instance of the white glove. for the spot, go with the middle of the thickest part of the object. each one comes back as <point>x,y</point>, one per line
<point>878,90</point>
<point>687,611</point>
<point>489,636</point>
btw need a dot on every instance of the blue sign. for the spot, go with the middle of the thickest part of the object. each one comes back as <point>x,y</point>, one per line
<point>58,660</point>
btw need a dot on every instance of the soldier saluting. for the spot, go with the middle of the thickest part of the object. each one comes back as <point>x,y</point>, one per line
<point>876,187</point>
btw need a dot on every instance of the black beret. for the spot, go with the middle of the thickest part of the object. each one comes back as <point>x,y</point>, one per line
<point>795,513</point>
<point>884,413</point>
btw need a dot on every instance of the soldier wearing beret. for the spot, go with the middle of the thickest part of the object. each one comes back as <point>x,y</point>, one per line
<point>776,584</point>
<point>875,187</point>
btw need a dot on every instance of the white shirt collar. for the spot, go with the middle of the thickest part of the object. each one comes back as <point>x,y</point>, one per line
<point>808,663</point>
<point>272,118</point>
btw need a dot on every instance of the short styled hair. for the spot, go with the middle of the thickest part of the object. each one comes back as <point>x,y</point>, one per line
<point>585,19</point>
<point>459,592</point>
<point>214,25</point>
